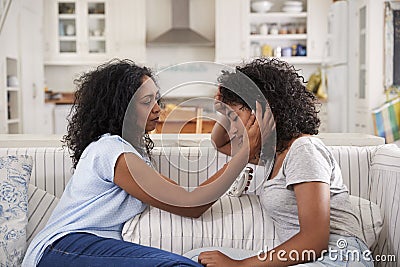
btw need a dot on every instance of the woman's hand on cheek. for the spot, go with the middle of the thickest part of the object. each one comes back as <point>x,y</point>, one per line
<point>217,259</point>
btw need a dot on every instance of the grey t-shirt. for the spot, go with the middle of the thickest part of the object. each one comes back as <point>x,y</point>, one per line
<point>308,160</point>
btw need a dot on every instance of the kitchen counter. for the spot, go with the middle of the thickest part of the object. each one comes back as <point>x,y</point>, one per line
<point>61,98</point>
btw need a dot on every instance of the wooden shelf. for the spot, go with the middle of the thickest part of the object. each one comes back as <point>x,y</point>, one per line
<point>258,37</point>
<point>97,16</point>
<point>12,121</point>
<point>67,16</point>
<point>299,60</point>
<point>293,25</point>
<point>97,38</point>
<point>11,114</point>
<point>67,38</point>
<point>12,89</point>
<point>278,15</point>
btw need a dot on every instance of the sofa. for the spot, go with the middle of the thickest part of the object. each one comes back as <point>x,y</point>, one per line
<point>371,173</point>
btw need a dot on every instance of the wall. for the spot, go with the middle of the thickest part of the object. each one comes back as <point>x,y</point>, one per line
<point>60,78</point>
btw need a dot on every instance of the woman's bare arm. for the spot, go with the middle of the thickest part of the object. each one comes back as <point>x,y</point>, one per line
<point>142,182</point>
<point>313,203</point>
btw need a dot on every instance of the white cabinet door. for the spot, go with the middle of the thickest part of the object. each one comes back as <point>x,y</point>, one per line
<point>93,31</point>
<point>362,121</point>
<point>317,27</point>
<point>32,71</point>
<point>50,30</point>
<point>337,99</point>
<point>229,27</point>
<point>128,29</point>
<point>365,62</point>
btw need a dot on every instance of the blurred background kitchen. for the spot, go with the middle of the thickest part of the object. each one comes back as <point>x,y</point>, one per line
<point>349,51</point>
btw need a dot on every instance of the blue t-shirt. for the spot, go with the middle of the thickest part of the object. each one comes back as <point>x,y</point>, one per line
<point>91,202</point>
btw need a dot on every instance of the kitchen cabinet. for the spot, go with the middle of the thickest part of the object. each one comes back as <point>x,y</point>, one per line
<point>229,27</point>
<point>93,31</point>
<point>365,63</point>
<point>21,69</point>
<point>31,67</point>
<point>10,103</point>
<point>296,36</point>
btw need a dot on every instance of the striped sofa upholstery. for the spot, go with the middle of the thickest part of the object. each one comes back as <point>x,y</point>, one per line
<point>385,191</point>
<point>52,167</point>
<point>372,173</point>
<point>189,166</point>
<point>51,171</point>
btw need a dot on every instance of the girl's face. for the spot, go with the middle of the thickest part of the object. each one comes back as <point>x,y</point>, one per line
<point>238,116</point>
<point>147,108</point>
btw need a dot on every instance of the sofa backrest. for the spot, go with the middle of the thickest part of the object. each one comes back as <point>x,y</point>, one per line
<point>52,167</point>
<point>190,166</point>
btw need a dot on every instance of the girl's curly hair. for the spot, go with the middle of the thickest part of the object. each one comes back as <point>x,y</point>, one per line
<point>293,107</point>
<point>101,99</point>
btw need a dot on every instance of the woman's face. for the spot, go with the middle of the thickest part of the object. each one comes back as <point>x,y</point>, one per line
<point>238,116</point>
<point>146,105</point>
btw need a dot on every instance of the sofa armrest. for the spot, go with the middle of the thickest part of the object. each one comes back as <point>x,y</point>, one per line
<point>385,192</point>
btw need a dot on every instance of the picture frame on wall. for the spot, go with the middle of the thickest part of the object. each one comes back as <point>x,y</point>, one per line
<point>392,44</point>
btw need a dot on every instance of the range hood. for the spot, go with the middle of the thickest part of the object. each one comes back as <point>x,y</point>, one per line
<point>180,34</point>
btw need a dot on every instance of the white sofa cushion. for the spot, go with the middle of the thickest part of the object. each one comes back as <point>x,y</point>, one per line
<point>237,222</point>
<point>369,215</point>
<point>231,222</point>
<point>15,172</point>
<point>40,206</point>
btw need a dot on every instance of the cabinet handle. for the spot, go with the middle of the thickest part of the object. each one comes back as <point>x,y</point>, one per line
<point>34,90</point>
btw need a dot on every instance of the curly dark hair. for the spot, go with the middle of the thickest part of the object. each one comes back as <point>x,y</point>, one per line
<point>101,100</point>
<point>295,109</point>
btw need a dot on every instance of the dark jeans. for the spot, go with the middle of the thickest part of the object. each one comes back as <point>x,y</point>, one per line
<point>82,249</point>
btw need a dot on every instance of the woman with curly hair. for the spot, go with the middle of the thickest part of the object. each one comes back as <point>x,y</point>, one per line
<point>116,106</point>
<point>304,193</point>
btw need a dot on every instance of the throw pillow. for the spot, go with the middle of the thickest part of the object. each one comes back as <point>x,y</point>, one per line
<point>15,173</point>
<point>369,214</point>
<point>236,222</point>
<point>40,206</point>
